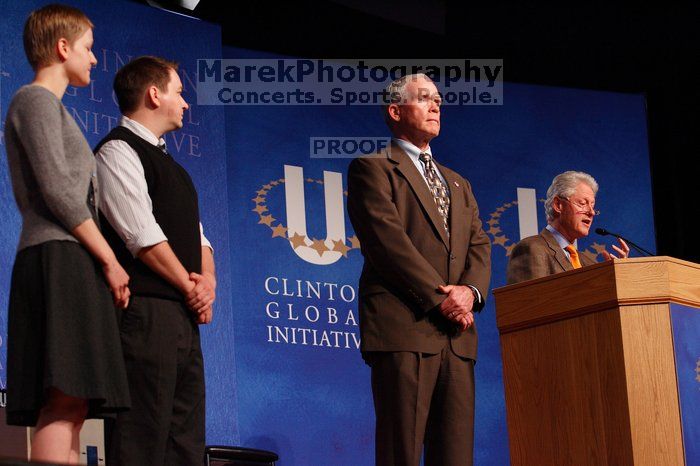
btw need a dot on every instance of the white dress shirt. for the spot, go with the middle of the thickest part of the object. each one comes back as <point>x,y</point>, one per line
<point>413,153</point>
<point>124,198</point>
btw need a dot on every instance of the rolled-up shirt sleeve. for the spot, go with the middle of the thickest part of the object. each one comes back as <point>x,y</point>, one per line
<point>203,239</point>
<point>124,199</point>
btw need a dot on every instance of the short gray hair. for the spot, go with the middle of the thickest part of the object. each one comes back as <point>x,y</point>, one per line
<point>564,185</point>
<point>397,88</point>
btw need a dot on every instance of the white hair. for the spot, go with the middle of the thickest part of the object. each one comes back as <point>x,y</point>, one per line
<point>396,91</point>
<point>564,185</point>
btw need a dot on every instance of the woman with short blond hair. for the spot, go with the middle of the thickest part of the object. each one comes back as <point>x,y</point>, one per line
<point>64,360</point>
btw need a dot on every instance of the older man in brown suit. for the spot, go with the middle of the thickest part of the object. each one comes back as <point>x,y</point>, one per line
<point>570,209</point>
<point>426,270</point>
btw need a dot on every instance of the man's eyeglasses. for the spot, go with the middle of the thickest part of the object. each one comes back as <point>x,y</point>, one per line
<point>583,206</point>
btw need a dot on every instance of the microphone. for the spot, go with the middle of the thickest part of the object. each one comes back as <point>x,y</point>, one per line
<point>641,250</point>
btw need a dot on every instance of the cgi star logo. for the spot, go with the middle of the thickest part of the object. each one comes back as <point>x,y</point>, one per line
<point>311,248</point>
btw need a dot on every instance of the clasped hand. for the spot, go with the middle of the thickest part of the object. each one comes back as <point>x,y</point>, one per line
<point>201,297</point>
<point>118,282</point>
<point>458,305</point>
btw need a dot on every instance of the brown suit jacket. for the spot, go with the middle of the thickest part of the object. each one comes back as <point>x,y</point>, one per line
<point>408,254</point>
<point>538,256</point>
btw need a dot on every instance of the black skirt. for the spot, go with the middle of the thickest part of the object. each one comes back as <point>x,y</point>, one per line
<point>62,333</point>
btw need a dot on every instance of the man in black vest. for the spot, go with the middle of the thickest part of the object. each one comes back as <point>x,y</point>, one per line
<point>150,217</point>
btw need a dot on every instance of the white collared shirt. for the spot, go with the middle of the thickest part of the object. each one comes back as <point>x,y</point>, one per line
<point>124,198</point>
<point>413,153</point>
<point>561,241</point>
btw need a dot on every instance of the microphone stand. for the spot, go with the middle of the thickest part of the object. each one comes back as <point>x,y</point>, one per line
<point>639,249</point>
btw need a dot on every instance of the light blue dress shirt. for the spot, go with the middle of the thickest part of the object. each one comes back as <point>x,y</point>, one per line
<point>561,241</point>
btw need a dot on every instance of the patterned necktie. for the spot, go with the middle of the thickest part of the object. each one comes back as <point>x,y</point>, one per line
<point>573,256</point>
<point>161,146</point>
<point>438,188</point>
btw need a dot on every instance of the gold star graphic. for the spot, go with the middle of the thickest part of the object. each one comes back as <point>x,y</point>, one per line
<point>501,240</point>
<point>354,242</point>
<point>496,214</point>
<point>310,180</point>
<point>319,181</point>
<point>279,230</point>
<point>345,193</point>
<point>509,249</point>
<point>500,209</point>
<point>261,192</point>
<point>492,222</point>
<point>507,205</point>
<point>493,230</point>
<point>598,248</point>
<point>267,186</point>
<point>297,240</point>
<point>340,247</point>
<point>260,209</point>
<point>267,220</point>
<point>319,246</point>
<point>258,199</point>
<point>274,183</point>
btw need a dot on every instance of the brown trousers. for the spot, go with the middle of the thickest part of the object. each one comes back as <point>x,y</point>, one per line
<point>423,400</point>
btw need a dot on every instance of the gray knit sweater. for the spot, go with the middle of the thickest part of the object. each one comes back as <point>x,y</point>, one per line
<point>51,166</point>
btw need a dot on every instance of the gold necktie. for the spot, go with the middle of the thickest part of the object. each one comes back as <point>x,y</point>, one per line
<point>573,256</point>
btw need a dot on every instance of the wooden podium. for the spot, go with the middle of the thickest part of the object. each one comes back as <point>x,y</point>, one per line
<point>588,363</point>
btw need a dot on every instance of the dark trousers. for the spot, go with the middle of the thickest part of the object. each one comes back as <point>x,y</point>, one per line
<point>423,400</point>
<point>164,365</point>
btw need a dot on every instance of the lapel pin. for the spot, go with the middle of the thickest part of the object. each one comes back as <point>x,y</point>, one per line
<point>456,184</point>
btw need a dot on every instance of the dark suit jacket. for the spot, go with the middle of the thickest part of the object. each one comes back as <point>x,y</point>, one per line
<point>408,254</point>
<point>538,256</point>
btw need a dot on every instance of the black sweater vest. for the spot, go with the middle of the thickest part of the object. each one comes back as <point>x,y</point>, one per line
<point>175,207</point>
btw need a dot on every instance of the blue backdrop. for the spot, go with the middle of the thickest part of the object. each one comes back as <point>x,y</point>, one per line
<point>313,401</point>
<point>685,322</point>
<point>124,30</point>
<point>282,365</point>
